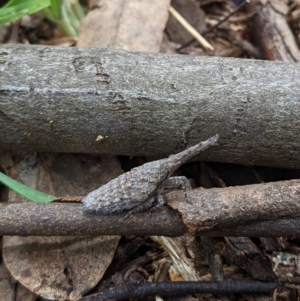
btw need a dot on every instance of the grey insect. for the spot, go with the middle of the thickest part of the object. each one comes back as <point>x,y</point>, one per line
<point>138,189</point>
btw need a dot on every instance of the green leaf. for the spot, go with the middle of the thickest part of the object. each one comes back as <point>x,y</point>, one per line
<point>27,192</point>
<point>56,7</point>
<point>16,9</point>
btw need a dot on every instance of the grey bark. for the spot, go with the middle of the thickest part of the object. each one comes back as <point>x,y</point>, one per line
<point>204,209</point>
<point>270,209</point>
<point>57,219</point>
<point>68,99</point>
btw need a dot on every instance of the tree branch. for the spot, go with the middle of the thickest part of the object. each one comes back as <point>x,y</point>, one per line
<point>116,102</point>
<point>181,288</point>
<point>271,209</point>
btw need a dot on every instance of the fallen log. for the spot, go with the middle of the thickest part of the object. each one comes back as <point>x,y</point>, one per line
<point>109,101</point>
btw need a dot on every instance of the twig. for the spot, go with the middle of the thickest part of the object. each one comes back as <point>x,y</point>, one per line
<point>178,288</point>
<point>214,260</point>
<point>214,26</point>
<point>247,47</point>
<point>197,36</point>
<point>69,219</point>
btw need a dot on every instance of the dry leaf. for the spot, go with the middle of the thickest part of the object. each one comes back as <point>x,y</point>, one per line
<point>59,268</point>
<point>7,285</point>
<point>127,24</point>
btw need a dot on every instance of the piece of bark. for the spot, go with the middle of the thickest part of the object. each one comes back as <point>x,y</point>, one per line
<point>118,102</point>
<point>242,252</point>
<point>203,209</point>
<point>271,32</point>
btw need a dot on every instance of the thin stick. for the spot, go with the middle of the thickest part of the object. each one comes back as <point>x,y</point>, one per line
<point>178,288</point>
<point>214,26</point>
<point>191,29</point>
<point>60,219</point>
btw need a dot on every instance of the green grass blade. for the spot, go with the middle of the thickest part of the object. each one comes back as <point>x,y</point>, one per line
<point>27,192</point>
<point>25,3</point>
<point>56,7</point>
<point>16,9</point>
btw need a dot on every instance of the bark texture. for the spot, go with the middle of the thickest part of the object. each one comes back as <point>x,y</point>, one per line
<point>271,31</point>
<point>270,209</point>
<point>203,209</point>
<point>68,219</point>
<point>116,102</point>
